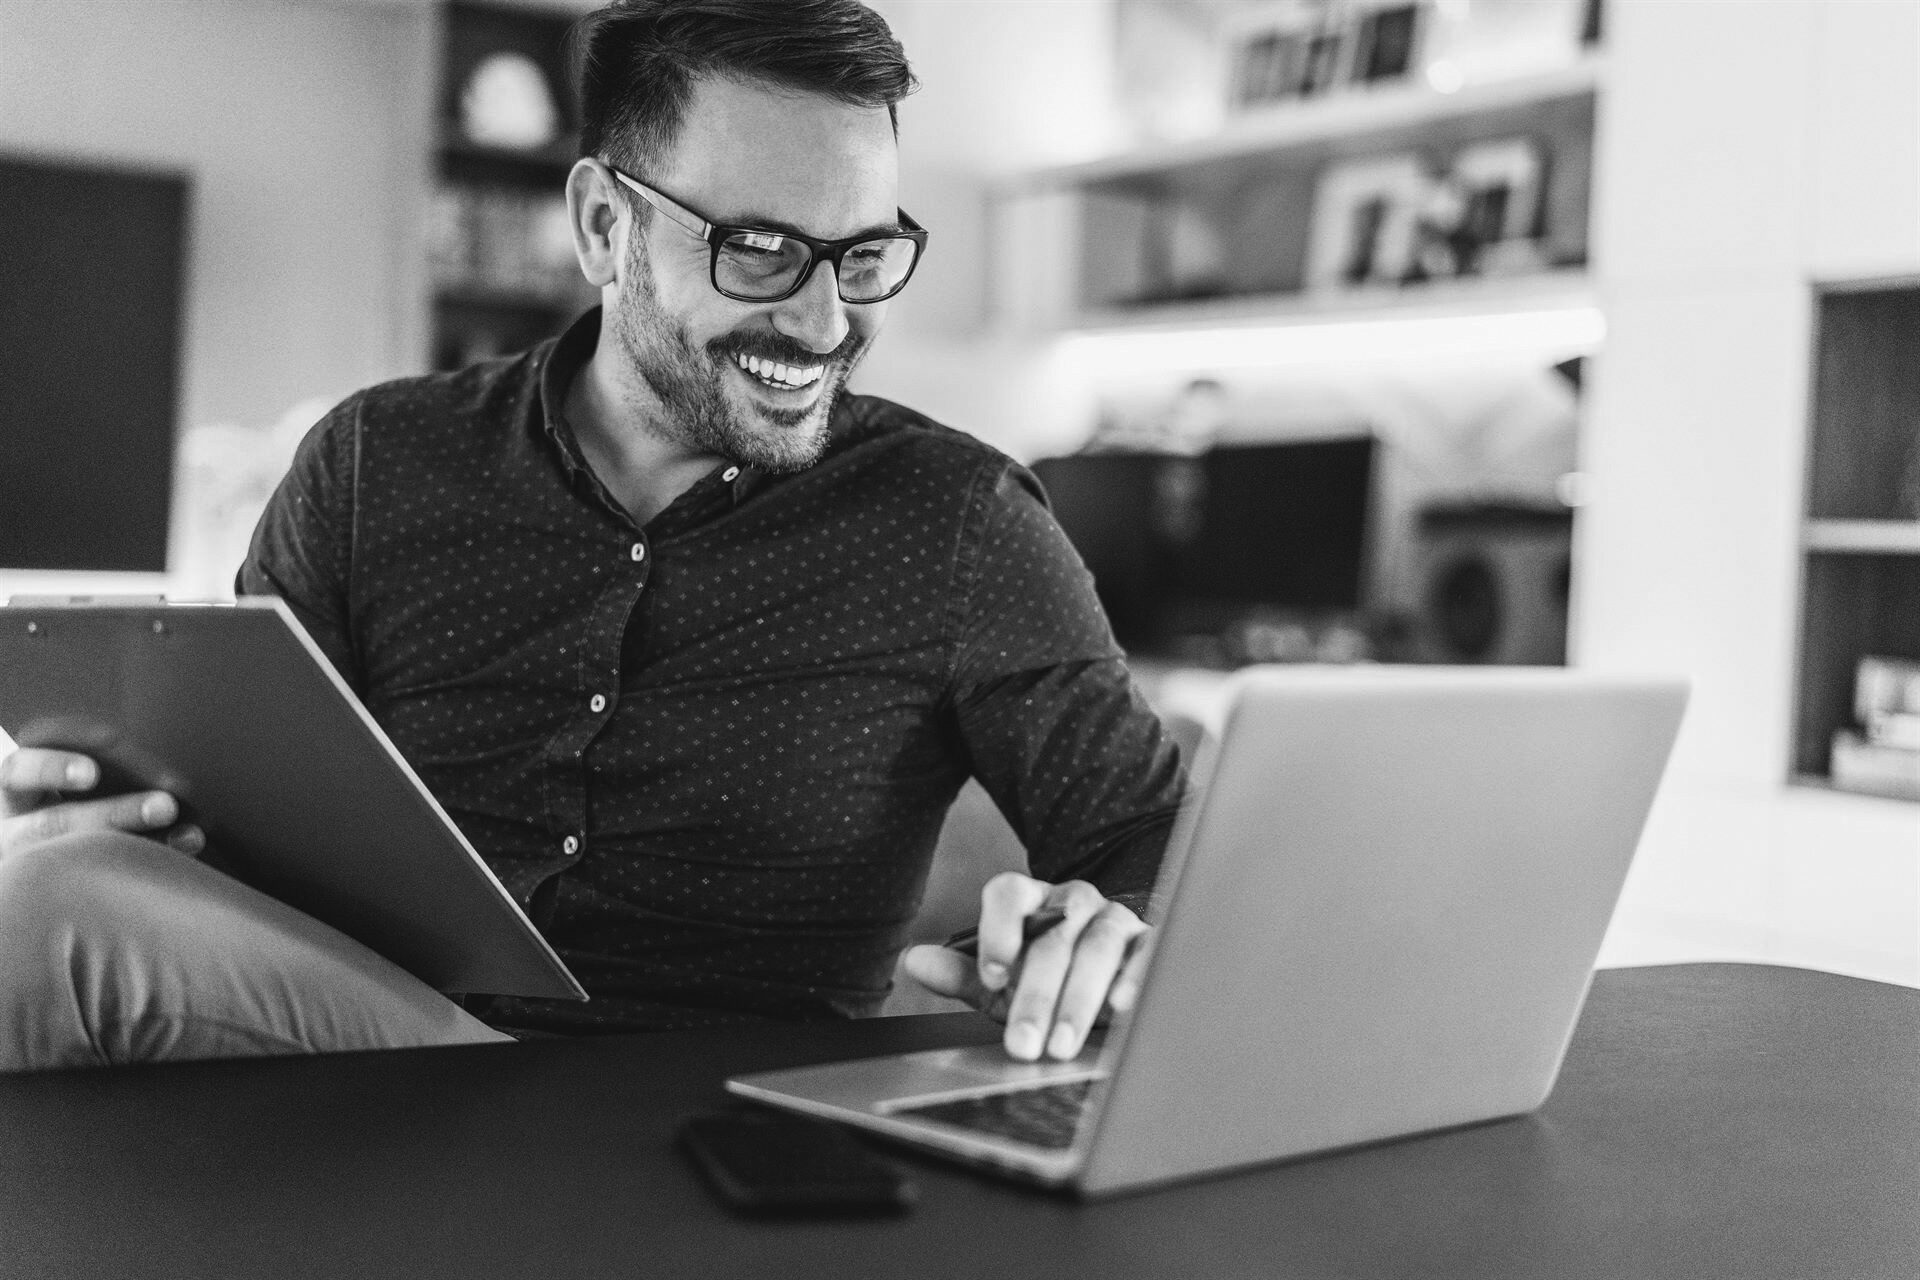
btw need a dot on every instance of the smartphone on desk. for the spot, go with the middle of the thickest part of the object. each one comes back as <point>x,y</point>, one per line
<point>770,1163</point>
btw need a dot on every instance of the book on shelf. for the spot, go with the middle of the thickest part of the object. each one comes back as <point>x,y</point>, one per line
<point>504,241</point>
<point>1881,755</point>
<point>1860,764</point>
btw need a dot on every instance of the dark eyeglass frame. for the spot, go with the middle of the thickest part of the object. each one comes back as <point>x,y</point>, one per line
<point>717,234</point>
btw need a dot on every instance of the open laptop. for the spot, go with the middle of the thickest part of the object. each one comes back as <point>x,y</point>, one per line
<point>1378,917</point>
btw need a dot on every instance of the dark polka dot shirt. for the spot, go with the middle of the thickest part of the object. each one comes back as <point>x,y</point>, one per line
<point>711,755</point>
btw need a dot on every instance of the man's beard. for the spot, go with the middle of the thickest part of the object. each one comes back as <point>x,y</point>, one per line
<point>691,384</point>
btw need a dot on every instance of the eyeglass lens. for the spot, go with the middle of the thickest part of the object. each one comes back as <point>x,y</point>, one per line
<point>755,264</point>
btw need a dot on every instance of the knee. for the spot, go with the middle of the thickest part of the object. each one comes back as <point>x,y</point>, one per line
<point>68,877</point>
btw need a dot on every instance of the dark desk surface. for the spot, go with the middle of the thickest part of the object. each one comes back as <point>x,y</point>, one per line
<point>1711,1121</point>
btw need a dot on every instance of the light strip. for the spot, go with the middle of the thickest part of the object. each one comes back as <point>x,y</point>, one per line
<point>1556,332</point>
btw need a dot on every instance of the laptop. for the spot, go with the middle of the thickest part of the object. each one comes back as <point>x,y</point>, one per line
<point>1378,917</point>
<point>236,711</point>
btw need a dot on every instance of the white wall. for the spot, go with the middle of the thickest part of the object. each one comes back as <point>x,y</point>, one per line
<point>305,129</point>
<point>1747,147</point>
<point>1006,86</point>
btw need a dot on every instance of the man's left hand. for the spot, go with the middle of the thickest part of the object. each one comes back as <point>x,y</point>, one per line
<point>1054,991</point>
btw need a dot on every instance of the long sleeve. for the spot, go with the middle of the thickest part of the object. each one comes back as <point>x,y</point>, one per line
<point>1056,730</point>
<point>302,548</point>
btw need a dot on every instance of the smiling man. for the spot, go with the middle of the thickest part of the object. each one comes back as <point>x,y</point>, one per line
<point>695,645</point>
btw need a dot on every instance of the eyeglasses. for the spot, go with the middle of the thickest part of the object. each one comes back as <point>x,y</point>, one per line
<point>752,264</point>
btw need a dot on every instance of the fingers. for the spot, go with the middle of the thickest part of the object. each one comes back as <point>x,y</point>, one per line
<point>1005,903</point>
<point>32,769</point>
<point>946,973</point>
<point>188,839</point>
<point>1069,973</point>
<point>141,811</point>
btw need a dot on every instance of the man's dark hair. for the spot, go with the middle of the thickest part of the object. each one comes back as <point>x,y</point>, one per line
<point>636,63</point>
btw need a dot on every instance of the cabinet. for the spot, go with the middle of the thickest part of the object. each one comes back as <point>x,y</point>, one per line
<point>503,268</point>
<point>1860,585</point>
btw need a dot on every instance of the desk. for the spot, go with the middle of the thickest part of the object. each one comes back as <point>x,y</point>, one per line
<point>1712,1121</point>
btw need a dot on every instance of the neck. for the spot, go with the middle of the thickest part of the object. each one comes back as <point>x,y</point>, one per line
<point>642,467</point>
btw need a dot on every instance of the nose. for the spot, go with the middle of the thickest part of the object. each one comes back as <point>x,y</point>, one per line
<point>815,316</point>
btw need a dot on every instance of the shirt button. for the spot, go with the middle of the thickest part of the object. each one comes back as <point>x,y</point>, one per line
<point>730,474</point>
<point>570,846</point>
<point>639,551</point>
<point>598,704</point>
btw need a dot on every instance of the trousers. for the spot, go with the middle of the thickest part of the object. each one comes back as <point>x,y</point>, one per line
<point>117,949</point>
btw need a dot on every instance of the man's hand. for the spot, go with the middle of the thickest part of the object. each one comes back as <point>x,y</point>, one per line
<point>1052,993</point>
<point>34,784</point>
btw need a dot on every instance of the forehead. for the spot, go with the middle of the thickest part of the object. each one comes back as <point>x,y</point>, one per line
<point>750,152</point>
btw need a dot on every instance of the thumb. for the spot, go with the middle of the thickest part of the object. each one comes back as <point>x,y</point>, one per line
<point>944,972</point>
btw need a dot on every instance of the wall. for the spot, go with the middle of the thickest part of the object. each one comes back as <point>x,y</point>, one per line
<point>1747,148</point>
<point>1006,86</point>
<point>304,127</point>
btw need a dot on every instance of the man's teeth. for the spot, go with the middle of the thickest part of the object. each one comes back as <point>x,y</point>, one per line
<point>784,375</point>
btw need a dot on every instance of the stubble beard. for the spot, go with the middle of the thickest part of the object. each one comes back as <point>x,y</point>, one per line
<point>690,384</point>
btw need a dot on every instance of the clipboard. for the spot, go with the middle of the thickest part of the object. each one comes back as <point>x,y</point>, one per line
<point>235,710</point>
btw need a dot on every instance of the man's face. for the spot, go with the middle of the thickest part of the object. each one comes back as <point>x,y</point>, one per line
<point>754,156</point>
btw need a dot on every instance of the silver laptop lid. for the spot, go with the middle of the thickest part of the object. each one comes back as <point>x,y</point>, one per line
<point>1398,884</point>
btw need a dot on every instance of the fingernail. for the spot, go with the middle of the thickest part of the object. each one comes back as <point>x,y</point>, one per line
<point>82,774</point>
<point>1064,1043</point>
<point>993,975</point>
<point>1023,1040</point>
<point>156,809</point>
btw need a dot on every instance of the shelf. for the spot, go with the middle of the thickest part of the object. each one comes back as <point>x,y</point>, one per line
<point>1821,782</point>
<point>1450,299</point>
<point>470,162</point>
<point>1337,117</point>
<point>1873,537</point>
<point>1551,318</point>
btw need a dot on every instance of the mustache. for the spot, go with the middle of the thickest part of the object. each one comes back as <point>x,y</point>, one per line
<point>784,350</point>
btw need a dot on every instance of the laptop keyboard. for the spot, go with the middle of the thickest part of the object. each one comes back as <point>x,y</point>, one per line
<point>1042,1116</point>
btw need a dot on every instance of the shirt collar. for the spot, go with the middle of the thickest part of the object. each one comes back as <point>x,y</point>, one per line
<point>567,356</point>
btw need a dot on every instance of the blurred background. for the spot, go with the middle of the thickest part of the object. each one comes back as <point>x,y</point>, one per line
<point>1486,331</point>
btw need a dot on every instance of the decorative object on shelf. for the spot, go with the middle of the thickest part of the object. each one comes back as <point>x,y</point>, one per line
<point>1500,228</point>
<point>1306,50</point>
<point>1389,220</point>
<point>1385,41</point>
<point>1364,214</point>
<point>507,102</point>
<point>504,241</point>
<point>1882,756</point>
<point>1271,66</point>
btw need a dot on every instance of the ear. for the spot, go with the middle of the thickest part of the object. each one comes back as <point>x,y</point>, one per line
<point>594,213</point>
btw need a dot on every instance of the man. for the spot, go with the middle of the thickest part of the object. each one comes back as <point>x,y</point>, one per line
<point>695,647</point>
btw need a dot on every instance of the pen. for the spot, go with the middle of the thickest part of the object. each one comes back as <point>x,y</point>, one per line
<point>967,941</point>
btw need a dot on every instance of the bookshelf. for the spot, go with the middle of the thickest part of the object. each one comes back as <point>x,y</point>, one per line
<point>503,270</point>
<point>1860,572</point>
<point>1316,208</point>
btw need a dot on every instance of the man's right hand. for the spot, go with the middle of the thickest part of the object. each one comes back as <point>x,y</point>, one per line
<point>36,784</point>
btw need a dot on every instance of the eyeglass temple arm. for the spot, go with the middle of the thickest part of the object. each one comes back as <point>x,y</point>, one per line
<point>673,212</point>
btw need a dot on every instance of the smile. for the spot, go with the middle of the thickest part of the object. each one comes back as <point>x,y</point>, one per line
<point>788,376</point>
